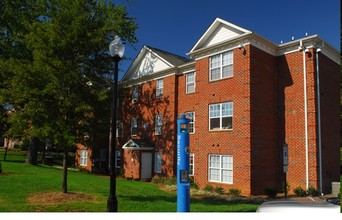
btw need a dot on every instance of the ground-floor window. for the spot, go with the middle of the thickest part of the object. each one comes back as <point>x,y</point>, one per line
<point>117,159</point>
<point>83,157</point>
<point>157,162</point>
<point>220,168</point>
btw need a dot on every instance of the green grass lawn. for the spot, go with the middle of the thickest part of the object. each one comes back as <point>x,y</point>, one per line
<point>19,181</point>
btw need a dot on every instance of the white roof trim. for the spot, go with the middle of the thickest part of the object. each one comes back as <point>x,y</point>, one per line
<point>131,145</point>
<point>213,27</point>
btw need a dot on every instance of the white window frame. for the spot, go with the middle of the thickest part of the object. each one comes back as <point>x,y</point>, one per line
<point>158,125</point>
<point>83,158</point>
<point>223,113</point>
<point>220,65</point>
<point>191,117</point>
<point>222,168</point>
<point>117,159</point>
<point>190,81</point>
<point>158,162</point>
<point>159,88</point>
<point>134,126</point>
<point>191,164</point>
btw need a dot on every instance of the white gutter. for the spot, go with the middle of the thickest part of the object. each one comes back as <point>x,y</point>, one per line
<point>305,119</point>
<point>318,50</point>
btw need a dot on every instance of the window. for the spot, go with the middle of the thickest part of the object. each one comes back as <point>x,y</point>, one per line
<point>191,117</point>
<point>135,94</point>
<point>190,83</point>
<point>103,155</point>
<point>220,168</point>
<point>192,164</point>
<point>117,159</point>
<point>221,116</point>
<point>134,126</point>
<point>83,157</point>
<point>118,128</point>
<point>159,88</point>
<point>158,121</point>
<point>221,66</point>
<point>157,162</point>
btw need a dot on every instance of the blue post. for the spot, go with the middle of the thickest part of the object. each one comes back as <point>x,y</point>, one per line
<point>183,184</point>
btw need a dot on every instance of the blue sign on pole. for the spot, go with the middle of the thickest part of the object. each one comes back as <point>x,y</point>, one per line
<point>183,183</point>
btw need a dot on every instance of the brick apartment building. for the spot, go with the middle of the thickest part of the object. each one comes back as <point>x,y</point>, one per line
<point>246,97</point>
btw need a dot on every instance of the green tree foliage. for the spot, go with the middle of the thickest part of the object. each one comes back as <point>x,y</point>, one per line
<point>55,67</point>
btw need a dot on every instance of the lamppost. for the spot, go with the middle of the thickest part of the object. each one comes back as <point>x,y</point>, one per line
<point>116,50</point>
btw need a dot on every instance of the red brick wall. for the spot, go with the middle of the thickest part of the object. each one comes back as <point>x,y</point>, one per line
<point>330,112</point>
<point>291,119</point>
<point>145,109</point>
<point>291,115</point>
<point>234,142</point>
<point>264,150</point>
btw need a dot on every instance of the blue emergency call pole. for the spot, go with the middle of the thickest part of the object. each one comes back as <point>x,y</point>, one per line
<point>183,184</point>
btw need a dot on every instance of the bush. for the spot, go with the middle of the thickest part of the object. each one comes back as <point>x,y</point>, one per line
<point>271,192</point>
<point>209,188</point>
<point>234,192</point>
<point>219,190</point>
<point>299,191</point>
<point>193,184</point>
<point>0,168</point>
<point>313,192</point>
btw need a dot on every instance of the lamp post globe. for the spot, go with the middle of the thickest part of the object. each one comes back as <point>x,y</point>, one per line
<point>116,50</point>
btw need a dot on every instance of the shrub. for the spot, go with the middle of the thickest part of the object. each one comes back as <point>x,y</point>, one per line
<point>208,188</point>
<point>219,190</point>
<point>313,192</point>
<point>299,191</point>
<point>271,192</point>
<point>234,192</point>
<point>0,168</point>
<point>193,184</point>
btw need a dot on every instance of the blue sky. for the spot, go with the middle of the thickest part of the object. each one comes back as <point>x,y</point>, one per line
<point>176,25</point>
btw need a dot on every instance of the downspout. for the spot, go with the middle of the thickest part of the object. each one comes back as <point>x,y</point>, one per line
<point>305,119</point>
<point>318,50</point>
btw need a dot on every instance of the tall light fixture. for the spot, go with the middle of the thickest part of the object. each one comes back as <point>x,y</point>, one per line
<point>116,50</point>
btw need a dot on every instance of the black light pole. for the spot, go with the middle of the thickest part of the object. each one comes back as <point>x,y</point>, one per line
<point>116,49</point>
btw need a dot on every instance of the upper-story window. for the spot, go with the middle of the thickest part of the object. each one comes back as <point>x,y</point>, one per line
<point>135,94</point>
<point>221,116</point>
<point>158,124</point>
<point>221,66</point>
<point>118,128</point>
<point>134,126</point>
<point>159,88</point>
<point>190,82</point>
<point>191,117</point>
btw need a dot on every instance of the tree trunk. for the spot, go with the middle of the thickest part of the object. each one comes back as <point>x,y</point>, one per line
<point>65,171</point>
<point>6,148</point>
<point>31,157</point>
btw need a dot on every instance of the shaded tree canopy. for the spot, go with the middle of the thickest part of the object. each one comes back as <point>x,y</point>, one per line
<point>54,66</point>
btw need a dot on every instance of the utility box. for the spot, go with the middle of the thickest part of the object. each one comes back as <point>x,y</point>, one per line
<point>335,188</point>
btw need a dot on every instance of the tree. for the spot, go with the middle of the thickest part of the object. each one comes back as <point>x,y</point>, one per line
<point>57,92</point>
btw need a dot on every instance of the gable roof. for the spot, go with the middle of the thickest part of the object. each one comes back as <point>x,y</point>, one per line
<point>138,144</point>
<point>151,60</point>
<point>218,32</point>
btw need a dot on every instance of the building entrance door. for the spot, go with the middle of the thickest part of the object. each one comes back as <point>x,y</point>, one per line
<point>146,165</point>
